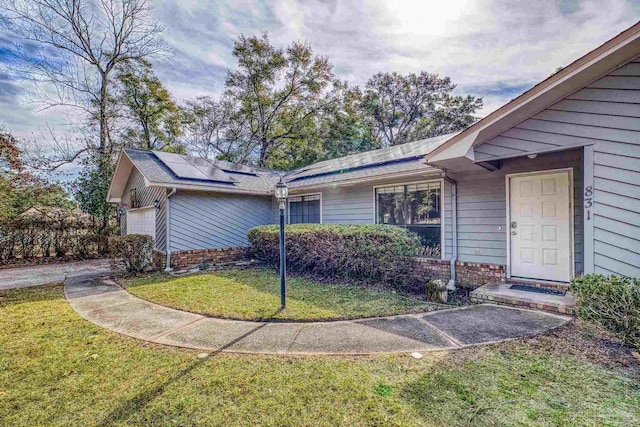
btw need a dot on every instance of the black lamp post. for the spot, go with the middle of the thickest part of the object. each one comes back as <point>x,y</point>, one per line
<point>281,193</point>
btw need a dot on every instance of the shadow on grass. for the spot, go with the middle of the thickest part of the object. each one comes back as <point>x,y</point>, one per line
<point>325,295</point>
<point>11,297</point>
<point>535,381</point>
<point>448,397</point>
<point>123,411</point>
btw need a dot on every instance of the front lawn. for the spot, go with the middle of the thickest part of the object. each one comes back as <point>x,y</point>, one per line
<point>254,294</point>
<point>57,369</point>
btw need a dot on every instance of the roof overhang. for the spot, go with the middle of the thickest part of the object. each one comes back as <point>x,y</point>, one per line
<point>592,66</point>
<point>120,177</point>
<point>124,167</point>
<point>425,173</point>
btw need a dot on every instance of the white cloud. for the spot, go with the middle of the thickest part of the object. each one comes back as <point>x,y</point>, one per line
<point>490,48</point>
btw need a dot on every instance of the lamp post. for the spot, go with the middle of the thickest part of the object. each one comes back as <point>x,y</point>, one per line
<point>281,193</point>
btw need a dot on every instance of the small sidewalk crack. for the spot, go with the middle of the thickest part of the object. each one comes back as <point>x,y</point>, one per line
<point>164,334</point>
<point>294,339</point>
<point>446,336</point>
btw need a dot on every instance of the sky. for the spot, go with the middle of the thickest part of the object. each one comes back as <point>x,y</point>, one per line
<point>494,49</point>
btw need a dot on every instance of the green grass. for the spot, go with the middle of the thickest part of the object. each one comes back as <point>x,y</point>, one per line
<point>254,294</point>
<point>57,369</point>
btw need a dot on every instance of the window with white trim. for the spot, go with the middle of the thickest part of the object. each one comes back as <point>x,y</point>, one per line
<point>304,209</point>
<point>416,207</point>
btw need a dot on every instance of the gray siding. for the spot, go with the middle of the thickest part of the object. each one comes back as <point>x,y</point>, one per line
<point>482,210</point>
<point>146,196</point>
<point>605,114</point>
<point>216,220</point>
<point>355,205</point>
<point>348,205</point>
<point>614,105</point>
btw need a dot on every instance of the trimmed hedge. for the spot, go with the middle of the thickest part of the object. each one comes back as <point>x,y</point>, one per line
<point>27,239</point>
<point>612,302</point>
<point>134,250</point>
<point>373,253</point>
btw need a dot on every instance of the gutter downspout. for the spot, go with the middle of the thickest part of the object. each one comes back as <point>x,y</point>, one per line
<point>168,229</point>
<point>454,230</point>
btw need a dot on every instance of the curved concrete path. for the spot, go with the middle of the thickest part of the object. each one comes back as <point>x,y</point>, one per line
<point>108,305</point>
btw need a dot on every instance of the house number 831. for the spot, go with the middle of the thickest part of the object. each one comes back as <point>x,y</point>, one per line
<point>588,201</point>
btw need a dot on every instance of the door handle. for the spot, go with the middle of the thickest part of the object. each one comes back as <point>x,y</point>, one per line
<point>514,224</point>
<point>513,233</point>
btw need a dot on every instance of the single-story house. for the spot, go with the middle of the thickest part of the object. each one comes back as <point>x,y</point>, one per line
<point>545,188</point>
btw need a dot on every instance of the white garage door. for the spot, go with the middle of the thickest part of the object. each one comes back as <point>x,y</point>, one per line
<point>142,221</point>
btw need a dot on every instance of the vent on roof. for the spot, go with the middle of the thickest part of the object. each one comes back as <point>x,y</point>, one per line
<point>193,168</point>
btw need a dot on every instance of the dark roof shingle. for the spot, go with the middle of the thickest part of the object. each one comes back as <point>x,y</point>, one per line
<point>369,164</point>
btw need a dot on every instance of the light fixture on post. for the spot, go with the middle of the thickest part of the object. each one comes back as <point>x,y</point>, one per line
<point>282,192</point>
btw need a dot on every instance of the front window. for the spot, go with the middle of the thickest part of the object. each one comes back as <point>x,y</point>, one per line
<point>416,207</point>
<point>304,209</point>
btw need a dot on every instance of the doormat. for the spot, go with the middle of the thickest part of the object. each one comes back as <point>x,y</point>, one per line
<point>527,288</point>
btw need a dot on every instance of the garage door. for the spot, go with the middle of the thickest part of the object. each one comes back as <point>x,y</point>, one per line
<point>142,221</point>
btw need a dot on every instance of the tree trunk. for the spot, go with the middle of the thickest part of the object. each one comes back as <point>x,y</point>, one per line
<point>102,115</point>
<point>264,147</point>
<point>147,136</point>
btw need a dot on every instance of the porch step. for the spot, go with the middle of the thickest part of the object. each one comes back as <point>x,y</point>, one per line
<point>501,293</point>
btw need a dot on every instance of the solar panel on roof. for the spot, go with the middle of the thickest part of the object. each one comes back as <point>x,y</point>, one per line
<point>235,167</point>
<point>169,157</point>
<point>205,166</point>
<point>187,170</point>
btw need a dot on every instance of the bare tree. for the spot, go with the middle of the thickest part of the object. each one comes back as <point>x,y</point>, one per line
<point>81,43</point>
<point>209,127</point>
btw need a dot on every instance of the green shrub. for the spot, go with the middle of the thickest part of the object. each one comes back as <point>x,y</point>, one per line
<point>134,250</point>
<point>33,238</point>
<point>612,302</point>
<point>92,245</point>
<point>370,253</point>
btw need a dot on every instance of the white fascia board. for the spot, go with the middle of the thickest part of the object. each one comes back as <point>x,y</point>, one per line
<point>461,149</point>
<point>195,187</point>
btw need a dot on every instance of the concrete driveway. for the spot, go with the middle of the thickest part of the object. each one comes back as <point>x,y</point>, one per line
<point>23,277</point>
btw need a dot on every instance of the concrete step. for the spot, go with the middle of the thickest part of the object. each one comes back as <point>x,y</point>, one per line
<point>501,293</point>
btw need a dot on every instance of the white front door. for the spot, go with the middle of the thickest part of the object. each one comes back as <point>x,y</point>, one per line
<point>540,226</point>
<point>142,221</point>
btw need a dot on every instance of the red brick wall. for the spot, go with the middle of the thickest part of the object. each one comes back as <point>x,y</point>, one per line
<point>434,268</point>
<point>183,259</point>
<point>468,275</point>
<point>472,275</point>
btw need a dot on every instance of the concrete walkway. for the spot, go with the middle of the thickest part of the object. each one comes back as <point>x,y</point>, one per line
<point>23,277</point>
<point>108,305</point>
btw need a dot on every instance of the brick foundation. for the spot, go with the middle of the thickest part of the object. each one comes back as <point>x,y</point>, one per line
<point>434,268</point>
<point>468,274</point>
<point>181,259</point>
<point>472,275</point>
